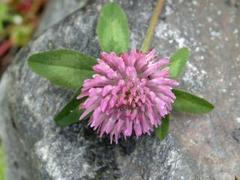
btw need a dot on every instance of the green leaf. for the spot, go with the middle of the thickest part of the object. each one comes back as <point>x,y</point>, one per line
<point>70,113</point>
<point>162,131</point>
<point>63,67</point>
<point>112,29</point>
<point>186,102</point>
<point>178,62</point>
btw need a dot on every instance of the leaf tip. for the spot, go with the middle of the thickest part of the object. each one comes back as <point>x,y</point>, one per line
<point>211,107</point>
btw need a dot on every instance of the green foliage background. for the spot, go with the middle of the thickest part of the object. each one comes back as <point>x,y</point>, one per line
<point>2,163</point>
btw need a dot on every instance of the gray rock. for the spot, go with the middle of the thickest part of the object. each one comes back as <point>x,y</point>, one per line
<point>199,147</point>
<point>56,10</point>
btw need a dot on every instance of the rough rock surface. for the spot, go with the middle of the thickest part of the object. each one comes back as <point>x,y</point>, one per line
<point>199,147</point>
<point>56,10</point>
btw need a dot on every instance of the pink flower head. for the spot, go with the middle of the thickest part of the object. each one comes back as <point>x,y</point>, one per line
<point>129,94</point>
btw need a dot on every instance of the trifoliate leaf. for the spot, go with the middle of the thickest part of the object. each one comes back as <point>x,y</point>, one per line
<point>186,102</point>
<point>178,62</point>
<point>63,67</point>
<point>112,29</point>
<point>70,113</point>
<point>162,131</point>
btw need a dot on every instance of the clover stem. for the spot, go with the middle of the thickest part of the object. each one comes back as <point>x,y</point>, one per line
<point>153,23</point>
